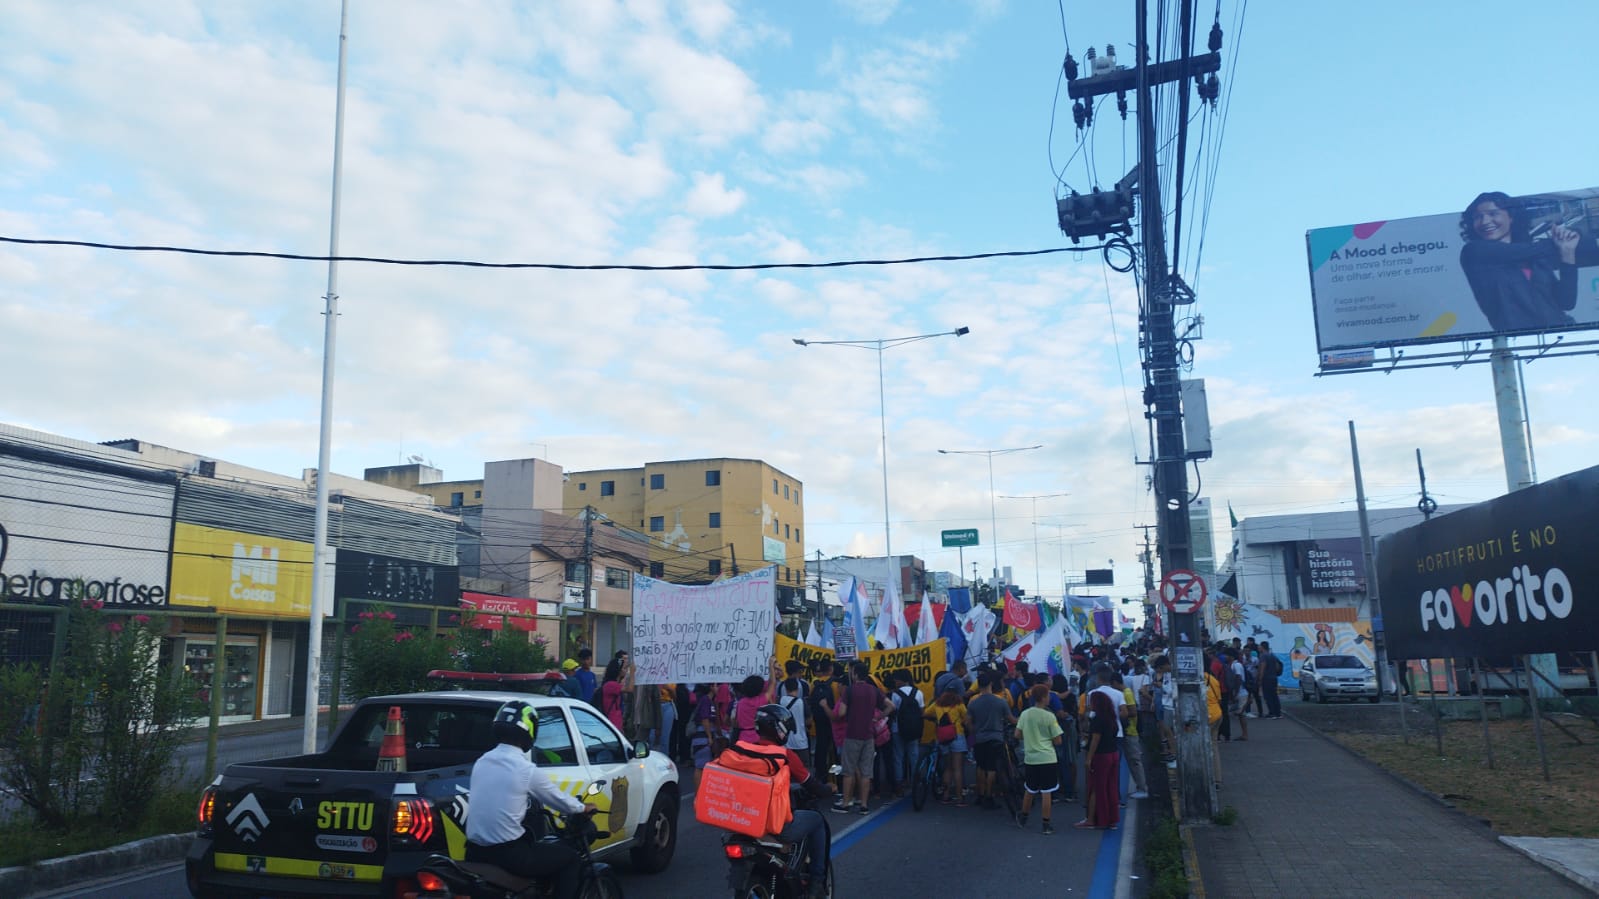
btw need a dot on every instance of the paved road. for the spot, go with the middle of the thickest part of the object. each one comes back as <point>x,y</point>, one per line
<point>940,851</point>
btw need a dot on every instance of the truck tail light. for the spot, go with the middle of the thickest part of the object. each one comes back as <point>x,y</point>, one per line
<point>208,807</point>
<point>413,820</point>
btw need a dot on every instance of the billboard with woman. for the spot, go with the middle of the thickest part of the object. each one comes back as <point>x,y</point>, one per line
<point>1502,266</point>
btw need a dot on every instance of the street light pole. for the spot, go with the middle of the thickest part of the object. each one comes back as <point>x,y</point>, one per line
<point>993,518</point>
<point>1038,574</point>
<point>879,345</point>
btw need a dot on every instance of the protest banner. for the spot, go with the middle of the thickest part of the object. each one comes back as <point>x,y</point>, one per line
<point>925,661</point>
<point>716,633</point>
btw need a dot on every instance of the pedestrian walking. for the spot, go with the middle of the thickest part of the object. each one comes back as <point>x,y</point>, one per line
<point>1039,732</point>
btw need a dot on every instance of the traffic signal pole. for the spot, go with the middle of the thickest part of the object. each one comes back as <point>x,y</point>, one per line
<point>1195,750</point>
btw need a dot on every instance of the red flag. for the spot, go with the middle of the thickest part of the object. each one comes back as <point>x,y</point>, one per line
<point>1023,616</point>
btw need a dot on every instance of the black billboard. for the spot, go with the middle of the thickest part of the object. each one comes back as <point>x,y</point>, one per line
<point>1336,565</point>
<point>384,579</point>
<point>1517,574</point>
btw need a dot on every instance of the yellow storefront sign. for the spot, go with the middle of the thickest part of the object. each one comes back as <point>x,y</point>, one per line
<point>235,572</point>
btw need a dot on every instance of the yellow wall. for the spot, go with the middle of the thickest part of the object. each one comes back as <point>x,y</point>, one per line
<point>687,543</point>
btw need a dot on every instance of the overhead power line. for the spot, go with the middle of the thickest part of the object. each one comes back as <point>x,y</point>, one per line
<point>552,266</point>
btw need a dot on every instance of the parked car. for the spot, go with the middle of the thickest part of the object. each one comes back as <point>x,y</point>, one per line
<point>337,823</point>
<point>1336,677</point>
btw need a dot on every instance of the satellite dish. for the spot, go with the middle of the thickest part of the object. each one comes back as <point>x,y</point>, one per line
<point>415,460</point>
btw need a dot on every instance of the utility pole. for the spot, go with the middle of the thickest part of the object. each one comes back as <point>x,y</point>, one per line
<point>1162,293</point>
<point>588,558</point>
<point>821,604</point>
<point>1150,611</point>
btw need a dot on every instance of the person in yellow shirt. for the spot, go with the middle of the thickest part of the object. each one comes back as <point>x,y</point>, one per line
<point>951,726</point>
<point>1132,743</point>
<point>1213,710</point>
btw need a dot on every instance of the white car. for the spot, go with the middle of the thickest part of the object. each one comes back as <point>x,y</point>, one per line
<point>1327,677</point>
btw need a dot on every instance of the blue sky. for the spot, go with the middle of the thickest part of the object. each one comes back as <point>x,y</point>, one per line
<point>651,132</point>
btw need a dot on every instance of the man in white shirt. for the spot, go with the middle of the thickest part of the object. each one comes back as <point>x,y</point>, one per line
<point>1102,672</point>
<point>505,786</point>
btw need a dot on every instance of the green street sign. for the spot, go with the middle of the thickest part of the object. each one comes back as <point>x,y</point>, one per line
<point>962,537</point>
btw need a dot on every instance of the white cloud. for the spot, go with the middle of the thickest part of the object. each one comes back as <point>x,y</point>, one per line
<point>710,197</point>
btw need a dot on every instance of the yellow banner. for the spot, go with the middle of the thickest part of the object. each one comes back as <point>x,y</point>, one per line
<point>235,572</point>
<point>925,661</point>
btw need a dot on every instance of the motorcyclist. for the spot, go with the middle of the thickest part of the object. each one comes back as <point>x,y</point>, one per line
<point>505,785</point>
<point>773,724</point>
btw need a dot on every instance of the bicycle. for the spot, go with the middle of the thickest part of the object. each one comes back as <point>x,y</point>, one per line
<point>928,779</point>
<point>1008,781</point>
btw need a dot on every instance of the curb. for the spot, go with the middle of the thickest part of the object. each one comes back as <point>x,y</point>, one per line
<point>1196,878</point>
<point>1554,865</point>
<point>58,872</point>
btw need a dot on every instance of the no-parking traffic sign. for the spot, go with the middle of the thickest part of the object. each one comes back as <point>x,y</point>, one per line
<point>1182,591</point>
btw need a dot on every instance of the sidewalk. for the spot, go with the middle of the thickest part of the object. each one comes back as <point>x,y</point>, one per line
<point>1314,820</point>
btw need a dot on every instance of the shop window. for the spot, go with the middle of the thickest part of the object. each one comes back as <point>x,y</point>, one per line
<point>607,488</point>
<point>714,567</point>
<point>713,478</point>
<point>657,482</point>
<point>620,578</point>
<point>716,519</point>
<point>657,523</point>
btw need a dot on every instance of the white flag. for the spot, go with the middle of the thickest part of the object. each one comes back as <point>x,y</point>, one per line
<point>976,624</point>
<point>1050,639</point>
<point>811,636</point>
<point>891,627</point>
<point>926,625</point>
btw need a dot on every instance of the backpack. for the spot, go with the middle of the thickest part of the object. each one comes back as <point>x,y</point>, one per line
<point>745,789</point>
<point>1231,683</point>
<point>909,716</point>
<point>563,688</point>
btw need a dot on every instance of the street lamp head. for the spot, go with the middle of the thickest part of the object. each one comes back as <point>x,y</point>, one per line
<point>800,341</point>
<point>962,331</point>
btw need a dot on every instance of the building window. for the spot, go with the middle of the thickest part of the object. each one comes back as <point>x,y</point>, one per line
<point>716,519</point>
<point>657,570</point>
<point>796,496</point>
<point>713,478</point>
<point>607,488</point>
<point>774,486</point>
<point>576,573</point>
<point>619,578</point>
<point>477,494</point>
<point>714,567</point>
<point>657,482</point>
<point>797,537</point>
<point>582,486</point>
<point>774,527</point>
<point>457,498</point>
<point>785,532</point>
<point>788,574</point>
<point>657,523</point>
<point>785,491</point>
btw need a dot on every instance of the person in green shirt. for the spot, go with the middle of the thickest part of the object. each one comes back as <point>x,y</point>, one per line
<point>1040,733</point>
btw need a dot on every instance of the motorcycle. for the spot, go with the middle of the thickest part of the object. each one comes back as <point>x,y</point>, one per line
<point>442,877</point>
<point>771,868</point>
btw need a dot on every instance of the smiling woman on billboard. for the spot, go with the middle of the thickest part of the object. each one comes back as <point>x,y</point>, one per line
<point>1520,284</point>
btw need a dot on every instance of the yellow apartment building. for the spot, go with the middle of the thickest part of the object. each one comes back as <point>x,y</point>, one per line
<point>705,517</point>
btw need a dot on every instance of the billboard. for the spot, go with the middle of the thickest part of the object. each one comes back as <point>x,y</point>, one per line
<point>1335,565</point>
<point>1513,575</point>
<point>236,572</point>
<point>69,534</point>
<point>1501,266</point>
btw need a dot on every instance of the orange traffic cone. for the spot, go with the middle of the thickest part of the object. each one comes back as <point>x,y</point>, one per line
<point>391,755</point>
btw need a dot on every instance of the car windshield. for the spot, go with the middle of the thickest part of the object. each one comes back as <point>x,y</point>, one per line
<point>1325,662</point>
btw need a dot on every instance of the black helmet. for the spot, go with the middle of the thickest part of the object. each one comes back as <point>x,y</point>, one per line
<point>774,723</point>
<point>516,723</point>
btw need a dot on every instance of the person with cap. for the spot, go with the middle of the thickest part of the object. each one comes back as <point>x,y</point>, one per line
<point>566,686</point>
<point>505,786</point>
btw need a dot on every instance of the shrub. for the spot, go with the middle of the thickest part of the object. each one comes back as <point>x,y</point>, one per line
<point>380,658</point>
<point>94,736</point>
<point>505,651</point>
